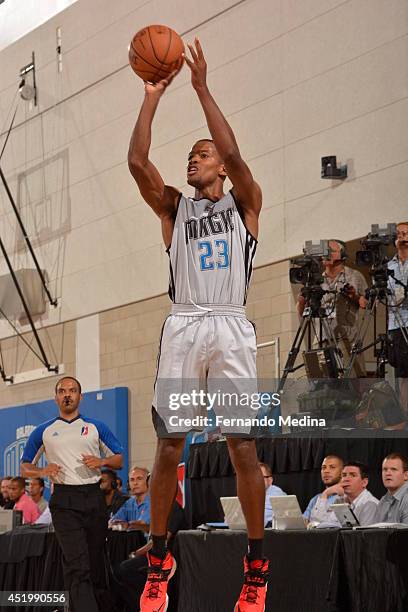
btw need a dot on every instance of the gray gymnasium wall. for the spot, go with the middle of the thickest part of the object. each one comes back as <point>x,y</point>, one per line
<point>297,79</point>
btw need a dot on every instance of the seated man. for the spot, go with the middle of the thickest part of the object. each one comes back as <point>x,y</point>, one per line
<point>36,490</point>
<point>23,501</point>
<point>130,575</point>
<point>7,503</point>
<point>393,506</point>
<point>135,513</point>
<point>354,481</point>
<point>318,511</point>
<point>114,498</point>
<point>271,490</point>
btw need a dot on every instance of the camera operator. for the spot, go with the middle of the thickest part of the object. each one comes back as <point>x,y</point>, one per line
<point>347,288</point>
<point>398,314</point>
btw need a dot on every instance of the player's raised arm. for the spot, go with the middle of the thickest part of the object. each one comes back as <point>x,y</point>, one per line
<point>246,191</point>
<point>161,197</point>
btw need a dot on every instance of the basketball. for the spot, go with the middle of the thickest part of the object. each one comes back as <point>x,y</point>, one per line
<point>155,52</point>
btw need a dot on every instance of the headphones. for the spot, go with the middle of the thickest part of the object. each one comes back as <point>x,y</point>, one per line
<point>343,252</point>
<point>112,474</point>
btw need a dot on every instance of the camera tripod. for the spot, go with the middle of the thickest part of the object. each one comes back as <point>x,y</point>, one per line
<point>374,295</point>
<point>313,310</point>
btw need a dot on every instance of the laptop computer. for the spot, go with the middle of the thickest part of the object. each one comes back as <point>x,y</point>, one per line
<point>234,516</point>
<point>10,519</point>
<point>286,512</point>
<point>345,515</point>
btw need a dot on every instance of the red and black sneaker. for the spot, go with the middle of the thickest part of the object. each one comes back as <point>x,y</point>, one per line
<point>154,597</point>
<point>253,594</point>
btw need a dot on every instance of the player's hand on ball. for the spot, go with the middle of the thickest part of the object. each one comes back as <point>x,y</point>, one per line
<point>158,89</point>
<point>197,65</point>
<point>92,462</point>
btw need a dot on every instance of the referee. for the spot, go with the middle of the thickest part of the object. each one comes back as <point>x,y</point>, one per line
<point>76,447</point>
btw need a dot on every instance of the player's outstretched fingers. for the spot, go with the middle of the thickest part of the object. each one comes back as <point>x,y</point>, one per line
<point>199,48</point>
<point>187,60</point>
<point>193,52</point>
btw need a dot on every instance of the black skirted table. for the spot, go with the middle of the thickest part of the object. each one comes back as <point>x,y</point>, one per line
<point>311,571</point>
<point>30,560</point>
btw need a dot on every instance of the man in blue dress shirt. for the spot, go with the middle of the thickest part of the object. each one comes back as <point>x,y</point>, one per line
<point>271,490</point>
<point>135,513</point>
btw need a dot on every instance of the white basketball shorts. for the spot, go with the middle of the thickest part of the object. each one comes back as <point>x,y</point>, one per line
<point>206,374</point>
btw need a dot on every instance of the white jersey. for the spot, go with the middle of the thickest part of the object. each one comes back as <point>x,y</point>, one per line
<point>64,443</point>
<point>211,253</point>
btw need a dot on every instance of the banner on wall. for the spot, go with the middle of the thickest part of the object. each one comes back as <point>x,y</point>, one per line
<point>16,423</point>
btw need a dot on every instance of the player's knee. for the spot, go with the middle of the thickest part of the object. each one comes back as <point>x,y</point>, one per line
<point>169,452</point>
<point>243,455</point>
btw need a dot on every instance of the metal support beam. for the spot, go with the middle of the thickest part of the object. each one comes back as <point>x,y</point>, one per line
<point>45,361</point>
<point>53,301</point>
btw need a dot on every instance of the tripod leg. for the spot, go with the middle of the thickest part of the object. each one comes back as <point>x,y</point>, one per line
<point>354,358</point>
<point>358,343</point>
<point>331,339</point>
<point>381,358</point>
<point>294,351</point>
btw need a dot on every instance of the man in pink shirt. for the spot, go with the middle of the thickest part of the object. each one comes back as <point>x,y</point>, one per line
<point>23,501</point>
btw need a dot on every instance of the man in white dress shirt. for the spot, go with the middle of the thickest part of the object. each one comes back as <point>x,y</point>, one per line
<point>318,511</point>
<point>354,481</point>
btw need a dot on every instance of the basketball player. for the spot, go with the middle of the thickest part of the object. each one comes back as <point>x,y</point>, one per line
<point>211,241</point>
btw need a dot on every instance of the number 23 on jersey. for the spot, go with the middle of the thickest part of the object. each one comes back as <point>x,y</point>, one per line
<point>213,257</point>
